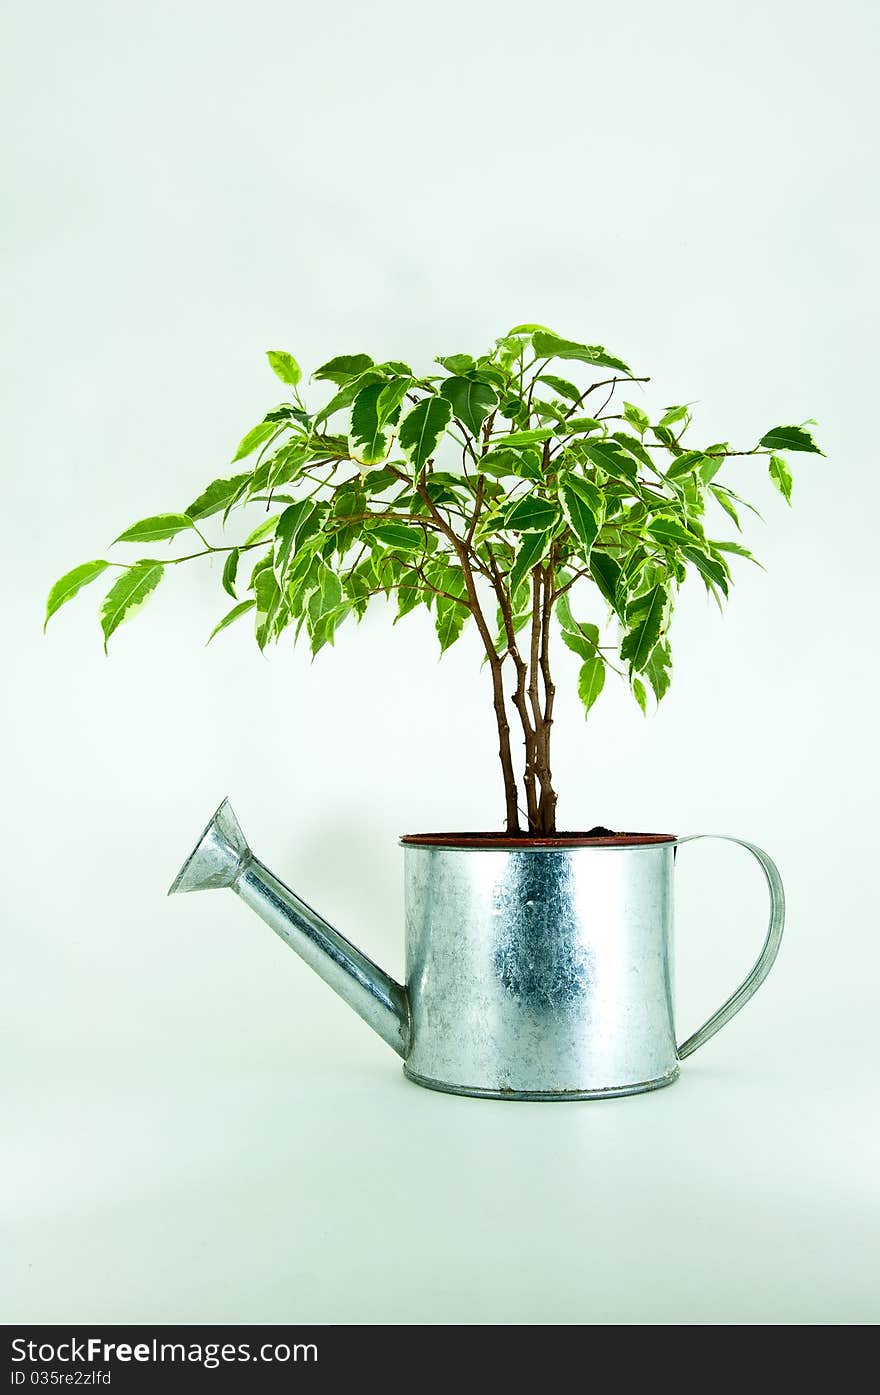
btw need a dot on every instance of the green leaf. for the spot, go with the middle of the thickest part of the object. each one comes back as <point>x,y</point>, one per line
<point>504,461</point>
<point>217,496</point>
<point>532,515</point>
<point>421,429</point>
<point>286,412</point>
<point>499,463</point>
<point>359,585</point>
<point>640,695</point>
<point>713,459</point>
<point>230,571</point>
<point>260,566</point>
<point>580,636</point>
<point>340,370</point>
<point>790,438</point>
<point>399,536</point>
<point>327,594</point>
<point>489,372</point>
<point>670,533</point>
<point>457,363</point>
<point>639,419</point>
<point>581,425</point>
<point>578,644</point>
<point>634,446</point>
<point>658,670</point>
<point>284,366</point>
<point>563,608</point>
<point>257,436</point>
<point>162,525</point>
<point>232,615</point>
<point>605,572</point>
<point>368,442</point>
<point>449,623</point>
<point>290,526</point>
<point>562,386</point>
<point>410,594</point>
<point>390,398</point>
<point>267,601</point>
<point>692,497</point>
<point>673,415</point>
<point>348,392</point>
<point>529,329</point>
<point>713,571</point>
<point>66,586</point>
<point>441,574</point>
<point>591,681</point>
<point>723,498</point>
<point>582,505</point>
<point>781,476</point>
<point>527,463</point>
<point>743,502</point>
<point>612,458</point>
<point>129,593</point>
<point>515,410</point>
<point>309,530</point>
<point>379,480</point>
<point>547,345</point>
<point>686,463</point>
<point>323,629</point>
<point>640,640</point>
<point>533,548</point>
<point>508,350</point>
<point>262,531</point>
<point>471,401</point>
<point>666,436</point>
<point>346,522</point>
<point>523,438</point>
<point>298,573</point>
<point>287,464</point>
<point>737,550</point>
<point>440,494</point>
<point>634,572</point>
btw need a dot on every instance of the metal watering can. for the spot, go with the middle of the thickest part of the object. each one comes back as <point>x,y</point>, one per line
<point>535,969</point>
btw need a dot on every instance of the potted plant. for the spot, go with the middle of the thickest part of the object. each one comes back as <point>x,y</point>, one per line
<point>495,491</point>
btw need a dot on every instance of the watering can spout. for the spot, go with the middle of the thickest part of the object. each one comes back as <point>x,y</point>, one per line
<point>222,858</point>
<point>218,858</point>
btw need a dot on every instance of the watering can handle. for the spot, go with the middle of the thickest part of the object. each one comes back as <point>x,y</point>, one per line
<point>764,963</point>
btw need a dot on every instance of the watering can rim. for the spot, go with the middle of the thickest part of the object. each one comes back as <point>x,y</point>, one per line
<point>478,842</point>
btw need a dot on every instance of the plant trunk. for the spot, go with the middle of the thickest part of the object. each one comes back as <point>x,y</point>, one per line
<point>547,803</point>
<point>533,700</point>
<point>504,752</point>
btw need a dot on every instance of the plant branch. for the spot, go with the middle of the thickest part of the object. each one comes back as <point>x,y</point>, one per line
<point>463,553</point>
<point>605,382</point>
<point>191,556</point>
<point>519,694</point>
<point>425,585</point>
<point>547,807</point>
<point>477,507</point>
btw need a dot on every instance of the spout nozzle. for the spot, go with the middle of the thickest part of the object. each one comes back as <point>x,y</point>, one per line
<point>222,858</point>
<point>217,858</point>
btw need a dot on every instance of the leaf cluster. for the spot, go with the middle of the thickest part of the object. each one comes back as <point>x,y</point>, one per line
<point>527,470</point>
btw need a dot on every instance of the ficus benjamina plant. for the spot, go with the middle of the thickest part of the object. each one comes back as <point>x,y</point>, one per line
<point>494,490</point>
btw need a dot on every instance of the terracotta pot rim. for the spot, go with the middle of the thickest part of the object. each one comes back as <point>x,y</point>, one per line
<point>524,842</point>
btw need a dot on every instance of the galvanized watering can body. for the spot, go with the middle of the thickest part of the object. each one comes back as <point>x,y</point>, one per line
<point>534,972</point>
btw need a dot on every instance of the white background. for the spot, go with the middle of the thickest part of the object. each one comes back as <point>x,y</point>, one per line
<point>193,1128</point>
